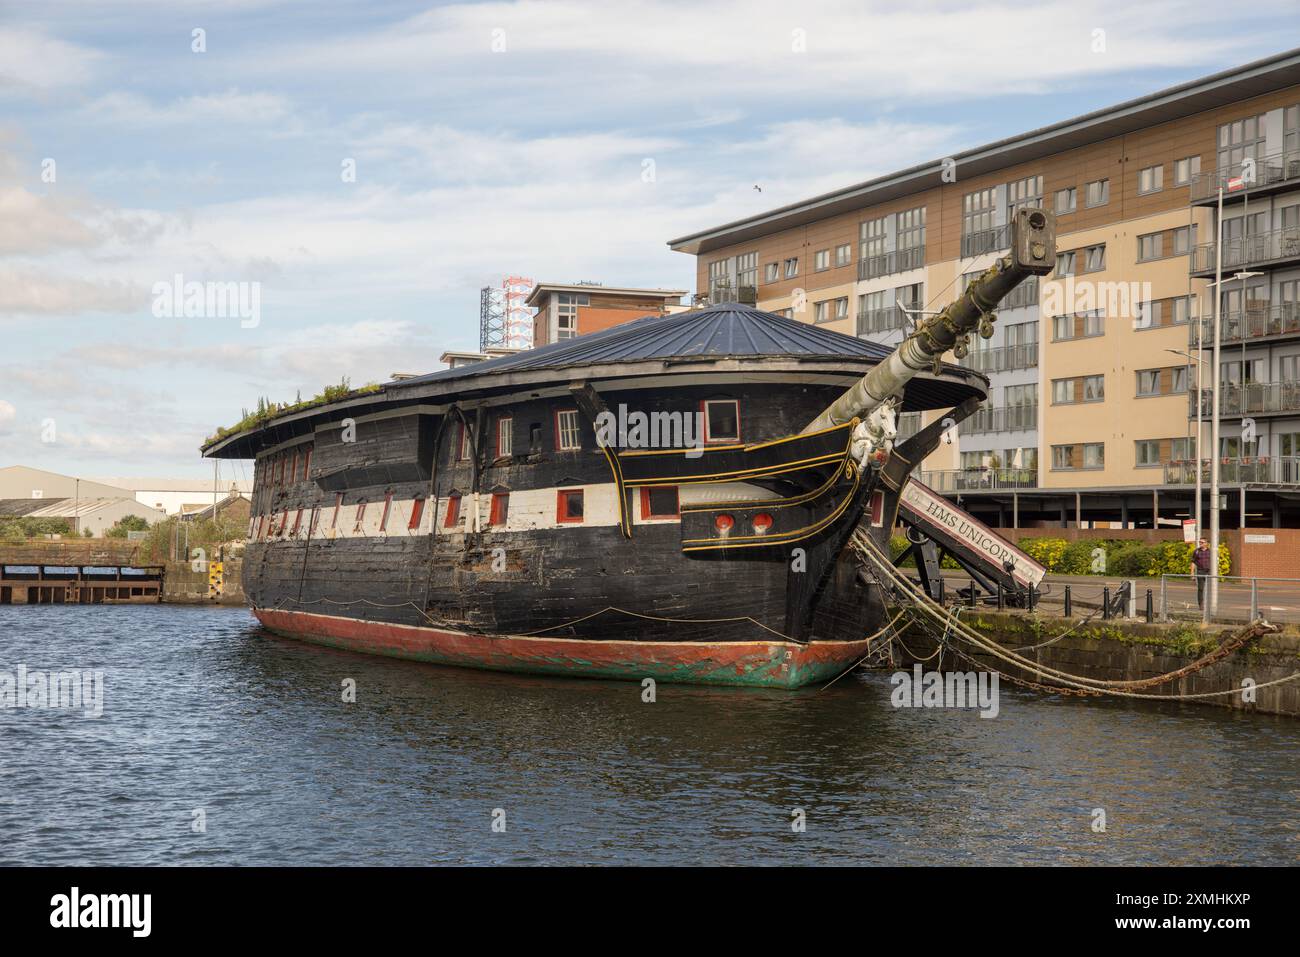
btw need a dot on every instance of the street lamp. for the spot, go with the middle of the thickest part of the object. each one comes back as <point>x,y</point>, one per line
<point>1212,606</point>
<point>1200,364</point>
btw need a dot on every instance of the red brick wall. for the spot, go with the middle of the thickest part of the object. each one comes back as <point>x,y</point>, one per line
<point>1277,559</point>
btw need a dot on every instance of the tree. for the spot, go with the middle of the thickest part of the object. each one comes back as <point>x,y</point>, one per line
<point>127,523</point>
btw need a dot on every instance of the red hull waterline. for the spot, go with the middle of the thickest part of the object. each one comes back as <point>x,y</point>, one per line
<point>764,664</point>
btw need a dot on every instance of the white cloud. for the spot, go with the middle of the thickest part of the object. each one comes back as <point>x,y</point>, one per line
<point>32,61</point>
<point>37,293</point>
<point>220,110</point>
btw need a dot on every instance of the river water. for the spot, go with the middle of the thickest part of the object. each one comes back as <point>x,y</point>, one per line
<point>219,744</point>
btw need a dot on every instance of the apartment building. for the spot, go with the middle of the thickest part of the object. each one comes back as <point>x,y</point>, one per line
<point>568,310</point>
<point>1093,371</point>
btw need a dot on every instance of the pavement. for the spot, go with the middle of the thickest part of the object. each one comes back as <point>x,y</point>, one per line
<point>1279,601</point>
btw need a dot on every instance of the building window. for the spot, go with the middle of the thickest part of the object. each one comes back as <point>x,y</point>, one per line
<point>1185,169</point>
<point>1094,258</point>
<point>659,503</point>
<point>1067,200</point>
<point>1097,193</point>
<point>844,254</point>
<point>465,450</point>
<point>792,267</point>
<point>452,519</point>
<point>871,238</point>
<point>1289,444</point>
<point>1240,140</point>
<point>1178,379</point>
<point>388,507</point>
<point>746,276</point>
<point>719,280</point>
<point>772,272</point>
<point>1148,382</point>
<point>1184,240</point>
<point>1065,263</point>
<point>909,227</point>
<point>1150,246</point>
<point>1062,391</point>
<point>500,509</point>
<point>566,310</point>
<point>721,420</point>
<point>1080,325</point>
<point>1090,455</point>
<point>977,211</point>
<point>842,307</point>
<point>505,437</point>
<point>1182,449</point>
<point>1147,453</point>
<point>1024,193</point>
<point>1151,179</point>
<point>822,260</point>
<point>820,313</point>
<point>417,513</point>
<point>567,436</point>
<point>569,505</point>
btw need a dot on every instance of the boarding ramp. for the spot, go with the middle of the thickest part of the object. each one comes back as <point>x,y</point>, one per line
<point>935,528</point>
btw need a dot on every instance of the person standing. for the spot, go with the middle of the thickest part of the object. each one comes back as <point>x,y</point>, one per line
<point>1201,569</point>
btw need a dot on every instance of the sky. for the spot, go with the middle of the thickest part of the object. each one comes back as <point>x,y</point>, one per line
<point>364,168</point>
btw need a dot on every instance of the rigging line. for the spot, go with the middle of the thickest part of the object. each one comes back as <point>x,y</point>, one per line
<point>869,550</point>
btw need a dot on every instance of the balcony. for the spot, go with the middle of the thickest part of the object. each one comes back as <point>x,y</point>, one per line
<point>1002,358</point>
<point>985,241</point>
<point>875,321</point>
<point>1253,398</point>
<point>900,260</point>
<point>1274,248</point>
<point>1272,174</point>
<point>1007,418</point>
<point>980,480</point>
<point>1248,470</point>
<point>1258,322</point>
<point>726,292</point>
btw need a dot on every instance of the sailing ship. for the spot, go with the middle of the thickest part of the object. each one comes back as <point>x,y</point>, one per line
<point>495,516</point>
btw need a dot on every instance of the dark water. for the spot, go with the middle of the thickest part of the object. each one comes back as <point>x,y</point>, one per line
<point>202,710</point>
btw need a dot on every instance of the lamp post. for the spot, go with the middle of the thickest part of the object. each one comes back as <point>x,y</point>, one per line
<point>1200,364</point>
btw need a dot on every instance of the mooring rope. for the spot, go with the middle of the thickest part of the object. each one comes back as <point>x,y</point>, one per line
<point>867,550</point>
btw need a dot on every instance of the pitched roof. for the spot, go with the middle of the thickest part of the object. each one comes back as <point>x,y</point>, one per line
<point>725,330</point>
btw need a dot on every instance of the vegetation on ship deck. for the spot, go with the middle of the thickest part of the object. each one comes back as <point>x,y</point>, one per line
<point>267,410</point>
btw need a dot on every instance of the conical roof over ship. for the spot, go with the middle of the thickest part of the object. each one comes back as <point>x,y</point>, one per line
<point>725,330</point>
<point>726,337</point>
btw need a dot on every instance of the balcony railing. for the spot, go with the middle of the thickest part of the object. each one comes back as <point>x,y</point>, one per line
<point>874,321</point>
<point>1006,418</point>
<point>1270,171</point>
<point>1253,398</point>
<point>1002,358</point>
<point>981,479</point>
<point>900,260</point>
<point>1275,245</point>
<point>1245,470</point>
<point>726,292</point>
<point>985,241</point>
<point>1278,319</point>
